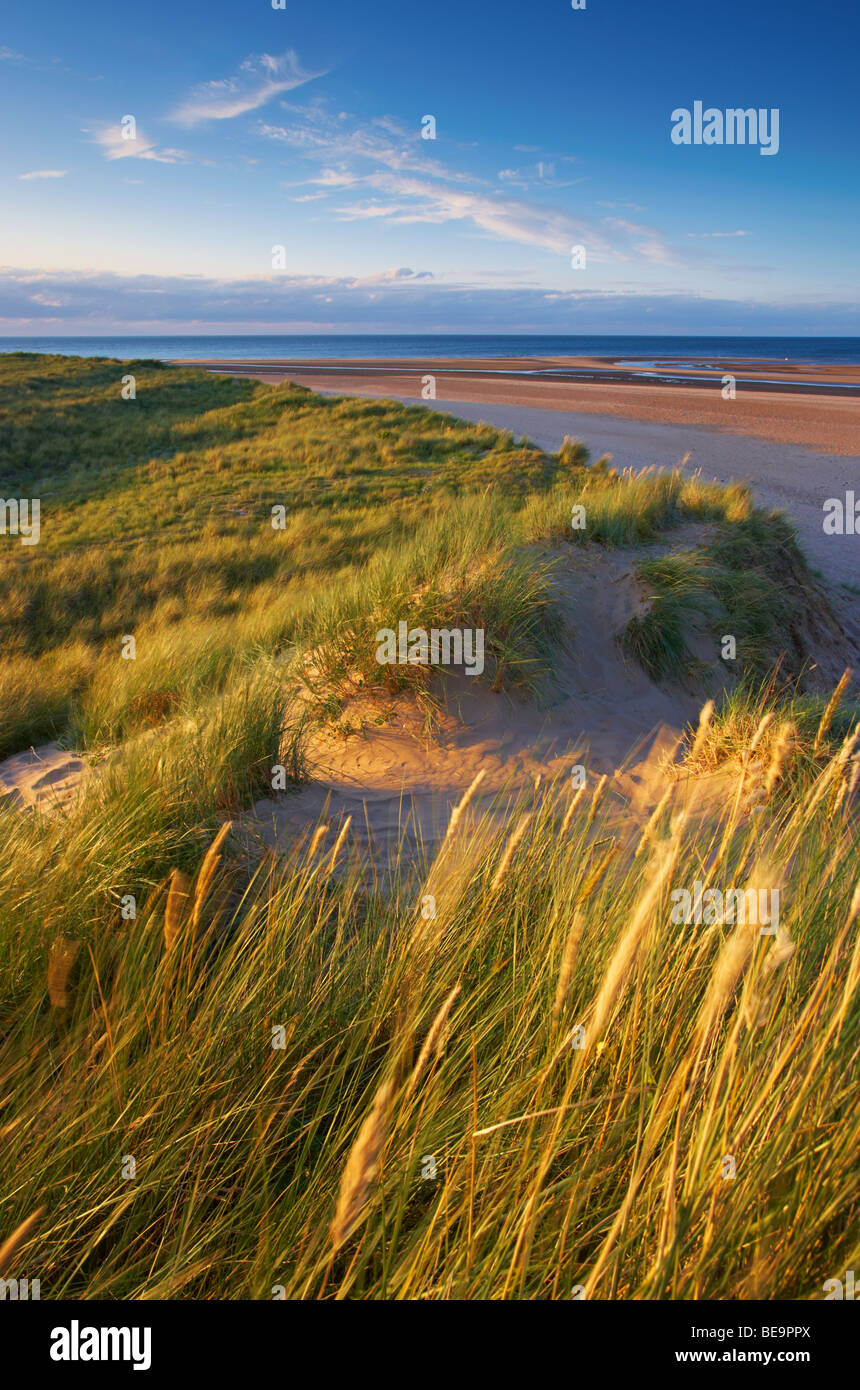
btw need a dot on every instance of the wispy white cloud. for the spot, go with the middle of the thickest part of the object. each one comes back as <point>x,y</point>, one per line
<point>346,148</point>
<point>539,175</point>
<point>45,174</point>
<point>40,64</point>
<point>259,80</point>
<point>397,274</point>
<point>390,175</point>
<point>115,145</point>
<point>702,235</point>
<point>655,251</point>
<point>652,247</point>
<point>411,200</point>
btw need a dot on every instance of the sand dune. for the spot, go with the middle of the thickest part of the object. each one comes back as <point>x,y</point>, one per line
<point>398,782</point>
<point>600,710</point>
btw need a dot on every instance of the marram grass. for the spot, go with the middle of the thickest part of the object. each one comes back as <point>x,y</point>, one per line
<point>502,1072</point>
<point>327,1092</point>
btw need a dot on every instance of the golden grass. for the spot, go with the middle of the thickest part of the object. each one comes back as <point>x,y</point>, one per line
<point>556,1165</point>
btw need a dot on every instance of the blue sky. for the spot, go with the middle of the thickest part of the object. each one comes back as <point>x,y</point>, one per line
<point>302,128</point>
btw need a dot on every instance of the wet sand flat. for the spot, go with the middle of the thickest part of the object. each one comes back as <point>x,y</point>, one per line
<point>811,405</point>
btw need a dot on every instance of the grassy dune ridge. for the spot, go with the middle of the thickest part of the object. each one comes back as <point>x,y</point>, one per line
<point>283,1051</point>
<point>157,521</point>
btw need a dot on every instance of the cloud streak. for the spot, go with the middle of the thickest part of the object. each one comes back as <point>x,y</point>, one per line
<point>258,81</point>
<point>390,176</point>
<point>115,146</point>
<point>413,200</point>
<point>393,300</point>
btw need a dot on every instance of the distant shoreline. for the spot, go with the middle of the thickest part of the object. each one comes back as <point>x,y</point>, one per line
<point>765,374</point>
<point>615,350</point>
<point>792,403</point>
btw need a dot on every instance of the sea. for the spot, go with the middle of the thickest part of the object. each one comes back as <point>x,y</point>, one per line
<point>664,349</point>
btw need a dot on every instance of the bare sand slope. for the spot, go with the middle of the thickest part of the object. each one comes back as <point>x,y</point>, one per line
<point>48,778</point>
<point>600,712</point>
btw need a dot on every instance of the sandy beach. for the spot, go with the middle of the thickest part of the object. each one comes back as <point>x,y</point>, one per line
<point>792,431</point>
<point>812,405</point>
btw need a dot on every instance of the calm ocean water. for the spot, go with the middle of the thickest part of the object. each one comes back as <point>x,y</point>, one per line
<point>616,347</point>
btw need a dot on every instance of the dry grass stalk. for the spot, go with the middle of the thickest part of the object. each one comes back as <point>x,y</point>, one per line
<point>344,831</point>
<point>731,963</point>
<point>176,906</point>
<point>458,810</point>
<point>653,819</point>
<point>833,773</point>
<point>705,716</point>
<point>568,959</point>
<point>18,1238</point>
<point>208,869</point>
<point>64,953</point>
<point>571,810</point>
<point>510,848</point>
<point>360,1169</point>
<point>832,706</point>
<point>848,782</point>
<point>595,800</point>
<point>590,883</point>
<point>318,835</point>
<point>749,766</point>
<point>628,947</point>
<point>433,1041</point>
<point>784,742</point>
<point>757,1007</point>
